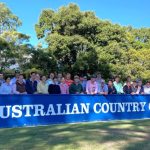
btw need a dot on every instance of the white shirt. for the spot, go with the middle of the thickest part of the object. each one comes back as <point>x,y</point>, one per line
<point>146,90</point>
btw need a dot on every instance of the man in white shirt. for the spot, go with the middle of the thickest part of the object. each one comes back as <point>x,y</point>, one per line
<point>147,88</point>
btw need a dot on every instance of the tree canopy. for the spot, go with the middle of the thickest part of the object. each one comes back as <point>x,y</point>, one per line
<point>11,41</point>
<point>78,42</point>
<point>82,42</point>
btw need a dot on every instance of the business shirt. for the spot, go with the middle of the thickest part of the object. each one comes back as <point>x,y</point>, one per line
<point>146,90</point>
<point>102,88</point>
<point>6,88</point>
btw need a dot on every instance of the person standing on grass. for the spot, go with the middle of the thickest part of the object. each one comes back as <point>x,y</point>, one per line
<point>20,86</point>
<point>42,87</point>
<point>64,88</point>
<point>76,87</point>
<point>31,84</point>
<point>6,88</point>
<point>118,85</point>
<point>91,86</point>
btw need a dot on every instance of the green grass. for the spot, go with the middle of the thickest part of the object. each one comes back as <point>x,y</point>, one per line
<point>118,135</point>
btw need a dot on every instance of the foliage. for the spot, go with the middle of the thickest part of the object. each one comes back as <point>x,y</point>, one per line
<point>11,42</point>
<point>80,41</point>
<point>8,21</point>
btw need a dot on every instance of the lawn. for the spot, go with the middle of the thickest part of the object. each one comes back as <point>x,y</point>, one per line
<point>118,135</point>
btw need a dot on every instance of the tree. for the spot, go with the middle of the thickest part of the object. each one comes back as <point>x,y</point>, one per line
<point>8,21</point>
<point>68,34</point>
<point>79,41</point>
<point>11,41</point>
<point>40,59</point>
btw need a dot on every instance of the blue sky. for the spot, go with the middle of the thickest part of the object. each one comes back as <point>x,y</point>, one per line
<point>125,12</point>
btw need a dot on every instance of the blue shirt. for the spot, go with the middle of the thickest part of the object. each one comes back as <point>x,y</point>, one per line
<point>2,81</point>
<point>102,88</point>
<point>49,81</point>
<point>6,89</point>
<point>84,85</point>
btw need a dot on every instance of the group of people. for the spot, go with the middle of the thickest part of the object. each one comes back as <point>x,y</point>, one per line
<point>63,84</point>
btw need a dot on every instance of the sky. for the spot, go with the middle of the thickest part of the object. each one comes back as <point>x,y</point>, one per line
<point>124,12</point>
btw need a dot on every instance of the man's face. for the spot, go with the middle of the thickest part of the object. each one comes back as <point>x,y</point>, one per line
<point>33,76</point>
<point>68,76</point>
<point>52,75</point>
<point>37,76</point>
<point>55,81</point>
<point>76,80</point>
<point>110,83</point>
<point>85,78</point>
<point>98,75</point>
<point>20,78</point>
<point>139,83</point>
<point>93,79</point>
<point>117,79</point>
<point>129,79</point>
<point>59,75</point>
<point>148,84</point>
<point>134,83</point>
<point>8,80</point>
<point>63,80</point>
<point>44,78</point>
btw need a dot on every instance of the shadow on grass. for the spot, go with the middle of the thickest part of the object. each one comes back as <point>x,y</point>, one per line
<point>135,135</point>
